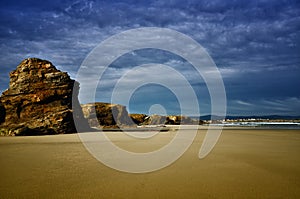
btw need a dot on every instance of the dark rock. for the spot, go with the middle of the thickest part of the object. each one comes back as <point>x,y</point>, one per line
<point>39,100</point>
<point>2,113</point>
<point>107,115</point>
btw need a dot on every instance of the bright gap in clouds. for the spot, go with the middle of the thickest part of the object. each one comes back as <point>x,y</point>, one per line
<point>150,94</point>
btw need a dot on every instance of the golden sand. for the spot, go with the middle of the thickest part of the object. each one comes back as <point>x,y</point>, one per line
<point>245,163</point>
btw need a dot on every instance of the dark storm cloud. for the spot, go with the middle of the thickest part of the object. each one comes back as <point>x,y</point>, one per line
<point>255,44</point>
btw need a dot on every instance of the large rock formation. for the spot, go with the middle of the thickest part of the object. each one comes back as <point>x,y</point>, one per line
<point>107,115</point>
<point>39,101</point>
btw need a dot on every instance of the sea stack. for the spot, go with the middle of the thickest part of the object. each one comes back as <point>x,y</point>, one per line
<point>39,101</point>
<point>106,115</point>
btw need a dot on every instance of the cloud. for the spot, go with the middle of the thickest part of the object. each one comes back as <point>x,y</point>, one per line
<point>243,103</point>
<point>255,44</point>
<point>281,106</point>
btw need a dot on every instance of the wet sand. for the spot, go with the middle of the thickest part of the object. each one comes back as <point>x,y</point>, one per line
<point>245,163</point>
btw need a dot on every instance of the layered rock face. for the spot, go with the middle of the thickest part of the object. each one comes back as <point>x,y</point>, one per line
<point>39,101</point>
<point>106,115</point>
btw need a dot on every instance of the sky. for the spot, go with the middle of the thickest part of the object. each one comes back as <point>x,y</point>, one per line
<point>254,44</point>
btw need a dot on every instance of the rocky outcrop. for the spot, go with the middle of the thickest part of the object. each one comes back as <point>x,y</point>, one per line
<point>178,119</point>
<point>155,120</point>
<point>138,119</point>
<point>39,101</point>
<point>107,115</point>
<point>142,119</point>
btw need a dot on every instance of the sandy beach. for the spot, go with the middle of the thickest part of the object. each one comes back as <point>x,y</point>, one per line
<point>245,163</point>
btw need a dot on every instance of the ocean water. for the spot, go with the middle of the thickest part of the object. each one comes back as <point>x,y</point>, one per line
<point>262,125</point>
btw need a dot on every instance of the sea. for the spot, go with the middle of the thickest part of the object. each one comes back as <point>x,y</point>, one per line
<point>262,125</point>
